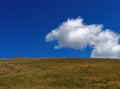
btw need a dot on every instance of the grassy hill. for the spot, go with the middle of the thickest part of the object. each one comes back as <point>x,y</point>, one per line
<point>59,74</point>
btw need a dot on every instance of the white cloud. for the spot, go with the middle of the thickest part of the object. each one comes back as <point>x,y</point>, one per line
<point>75,34</point>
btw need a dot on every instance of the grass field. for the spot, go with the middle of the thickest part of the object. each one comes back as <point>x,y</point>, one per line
<point>60,74</point>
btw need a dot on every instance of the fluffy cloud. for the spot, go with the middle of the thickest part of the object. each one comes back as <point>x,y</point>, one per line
<point>75,34</point>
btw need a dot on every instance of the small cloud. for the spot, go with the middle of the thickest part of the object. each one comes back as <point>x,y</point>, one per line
<point>76,35</point>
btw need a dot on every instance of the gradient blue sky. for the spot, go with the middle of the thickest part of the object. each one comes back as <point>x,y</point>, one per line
<point>25,23</point>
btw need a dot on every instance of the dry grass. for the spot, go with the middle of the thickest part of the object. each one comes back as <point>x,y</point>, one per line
<point>60,74</point>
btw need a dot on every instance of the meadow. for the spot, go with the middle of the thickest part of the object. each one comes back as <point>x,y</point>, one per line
<point>59,73</point>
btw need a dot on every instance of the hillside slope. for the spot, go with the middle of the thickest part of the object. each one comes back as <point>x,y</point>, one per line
<point>60,74</point>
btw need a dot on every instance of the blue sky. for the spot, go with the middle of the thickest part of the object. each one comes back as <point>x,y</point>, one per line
<point>25,23</point>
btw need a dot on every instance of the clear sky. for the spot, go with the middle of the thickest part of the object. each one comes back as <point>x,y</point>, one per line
<point>25,23</point>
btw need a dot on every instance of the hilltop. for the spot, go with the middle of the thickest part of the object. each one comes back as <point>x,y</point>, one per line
<point>59,73</point>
